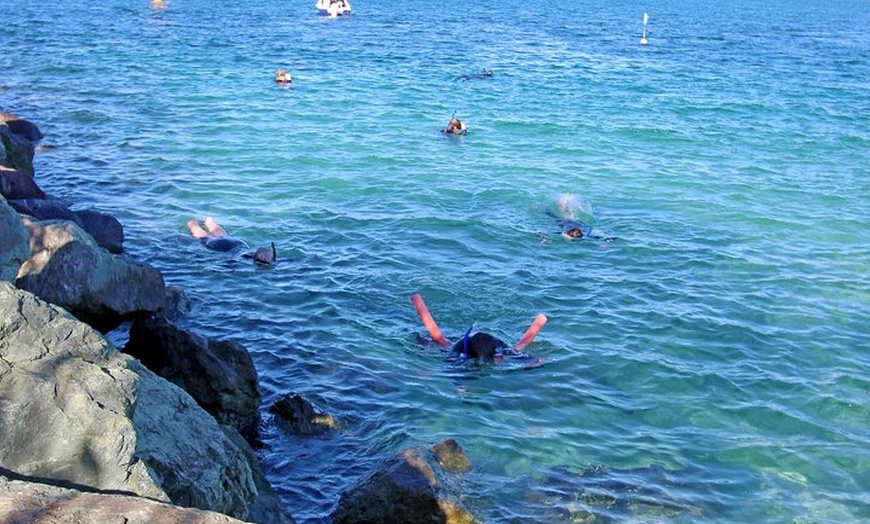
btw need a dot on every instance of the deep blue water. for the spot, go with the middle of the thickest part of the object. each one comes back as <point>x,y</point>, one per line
<point>714,358</point>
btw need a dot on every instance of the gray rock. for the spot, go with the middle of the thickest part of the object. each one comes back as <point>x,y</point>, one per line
<point>16,185</point>
<point>106,230</point>
<point>75,409</point>
<point>28,502</point>
<point>406,488</point>
<point>219,375</point>
<point>18,150</point>
<point>48,208</point>
<point>14,242</point>
<point>67,268</point>
<point>296,415</point>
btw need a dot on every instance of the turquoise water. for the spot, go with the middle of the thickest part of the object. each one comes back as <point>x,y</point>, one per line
<point>715,356</point>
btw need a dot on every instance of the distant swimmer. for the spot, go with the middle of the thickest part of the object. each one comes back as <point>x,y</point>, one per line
<point>214,237</point>
<point>480,346</point>
<point>486,73</point>
<point>455,127</point>
<point>333,8</point>
<point>283,78</point>
<point>569,227</point>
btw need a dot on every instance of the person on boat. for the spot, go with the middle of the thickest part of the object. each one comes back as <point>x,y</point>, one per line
<point>283,78</point>
<point>214,237</point>
<point>455,127</point>
<point>481,346</point>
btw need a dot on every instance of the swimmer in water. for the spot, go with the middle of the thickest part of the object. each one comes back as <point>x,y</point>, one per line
<point>480,346</point>
<point>455,127</point>
<point>486,73</point>
<point>214,237</point>
<point>283,78</point>
<point>569,227</point>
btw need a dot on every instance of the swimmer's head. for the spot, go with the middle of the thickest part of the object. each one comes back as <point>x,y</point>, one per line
<point>265,256</point>
<point>574,232</point>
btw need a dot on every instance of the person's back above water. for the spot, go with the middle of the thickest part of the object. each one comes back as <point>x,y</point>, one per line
<point>214,237</point>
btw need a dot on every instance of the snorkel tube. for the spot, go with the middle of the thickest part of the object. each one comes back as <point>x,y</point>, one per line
<point>428,321</point>
<point>532,332</point>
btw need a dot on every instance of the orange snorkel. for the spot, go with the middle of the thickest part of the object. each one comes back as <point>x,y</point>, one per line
<point>428,321</point>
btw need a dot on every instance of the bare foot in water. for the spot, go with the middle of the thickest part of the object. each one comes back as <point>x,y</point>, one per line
<point>214,228</point>
<point>195,230</point>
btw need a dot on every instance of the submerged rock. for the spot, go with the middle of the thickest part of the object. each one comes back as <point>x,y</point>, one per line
<point>219,375</point>
<point>406,488</point>
<point>296,415</point>
<point>76,410</point>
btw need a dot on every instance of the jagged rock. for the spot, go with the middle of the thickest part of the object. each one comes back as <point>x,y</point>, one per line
<point>405,489</point>
<point>296,415</point>
<point>28,502</point>
<point>219,375</point>
<point>105,229</point>
<point>75,409</point>
<point>67,268</point>
<point>16,185</point>
<point>21,127</point>
<point>451,457</point>
<point>14,242</point>
<point>18,150</point>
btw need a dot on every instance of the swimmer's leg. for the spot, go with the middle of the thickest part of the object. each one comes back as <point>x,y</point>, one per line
<point>214,228</point>
<point>195,229</point>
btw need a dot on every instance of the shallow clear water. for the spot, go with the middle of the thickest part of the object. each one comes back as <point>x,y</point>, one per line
<point>715,353</point>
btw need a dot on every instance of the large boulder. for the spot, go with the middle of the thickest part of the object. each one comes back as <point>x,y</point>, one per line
<point>18,150</point>
<point>76,410</point>
<point>406,488</point>
<point>14,242</point>
<point>15,185</point>
<point>219,375</point>
<point>21,127</point>
<point>27,502</point>
<point>105,229</point>
<point>67,268</point>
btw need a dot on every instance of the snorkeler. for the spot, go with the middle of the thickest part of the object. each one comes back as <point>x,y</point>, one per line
<point>283,78</point>
<point>486,73</point>
<point>569,227</point>
<point>214,237</point>
<point>480,346</point>
<point>455,127</point>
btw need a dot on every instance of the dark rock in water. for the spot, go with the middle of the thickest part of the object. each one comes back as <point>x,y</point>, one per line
<point>219,375</point>
<point>106,229</point>
<point>296,415</point>
<point>48,208</point>
<point>67,268</point>
<point>177,304</point>
<point>16,185</point>
<point>451,457</point>
<point>406,488</point>
<point>21,127</point>
<point>601,494</point>
<point>17,151</point>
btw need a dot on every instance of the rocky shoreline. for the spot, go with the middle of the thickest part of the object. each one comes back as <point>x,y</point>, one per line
<point>163,429</point>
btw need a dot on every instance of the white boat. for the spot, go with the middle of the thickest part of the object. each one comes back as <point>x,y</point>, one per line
<point>333,8</point>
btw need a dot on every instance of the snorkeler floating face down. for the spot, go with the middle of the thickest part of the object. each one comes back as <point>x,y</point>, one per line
<point>480,346</point>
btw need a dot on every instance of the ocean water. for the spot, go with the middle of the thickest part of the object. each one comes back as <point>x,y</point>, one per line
<point>712,364</point>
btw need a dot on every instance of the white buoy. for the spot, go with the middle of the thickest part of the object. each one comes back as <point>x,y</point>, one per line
<point>643,40</point>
